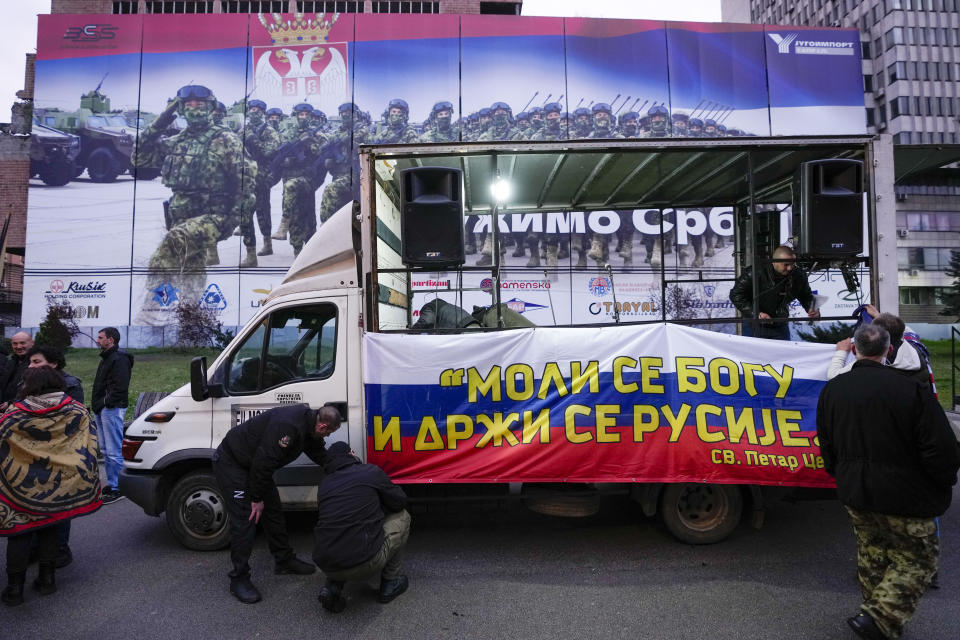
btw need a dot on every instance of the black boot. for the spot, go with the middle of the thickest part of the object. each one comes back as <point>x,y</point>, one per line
<point>64,557</point>
<point>331,596</point>
<point>390,589</point>
<point>243,590</point>
<point>864,626</point>
<point>13,594</point>
<point>294,566</point>
<point>46,583</point>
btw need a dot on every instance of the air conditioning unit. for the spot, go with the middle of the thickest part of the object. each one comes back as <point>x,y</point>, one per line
<point>902,233</point>
<point>914,272</point>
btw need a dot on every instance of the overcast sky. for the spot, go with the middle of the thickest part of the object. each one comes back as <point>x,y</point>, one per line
<point>18,29</point>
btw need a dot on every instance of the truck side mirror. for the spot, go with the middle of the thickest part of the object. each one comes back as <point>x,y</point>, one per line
<point>198,379</point>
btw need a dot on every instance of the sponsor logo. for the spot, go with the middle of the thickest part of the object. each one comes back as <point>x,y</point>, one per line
<point>709,290</point>
<point>521,306</point>
<point>811,47</point>
<point>90,311</point>
<point>259,302</point>
<point>599,286</point>
<point>165,294</point>
<point>625,308</point>
<point>91,33</point>
<point>76,290</point>
<point>213,298</point>
<point>431,283</point>
<point>487,284</point>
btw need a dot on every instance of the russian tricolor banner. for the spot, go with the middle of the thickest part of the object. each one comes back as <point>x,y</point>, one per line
<point>652,403</point>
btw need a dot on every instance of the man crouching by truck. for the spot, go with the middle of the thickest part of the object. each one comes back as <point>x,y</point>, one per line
<point>362,528</point>
<point>244,464</point>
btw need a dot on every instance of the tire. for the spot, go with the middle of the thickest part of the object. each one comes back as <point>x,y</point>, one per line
<point>196,514</point>
<point>701,513</point>
<point>57,175</point>
<point>102,165</point>
<point>144,173</point>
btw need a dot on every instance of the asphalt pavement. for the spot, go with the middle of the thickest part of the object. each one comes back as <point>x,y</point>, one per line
<point>492,572</point>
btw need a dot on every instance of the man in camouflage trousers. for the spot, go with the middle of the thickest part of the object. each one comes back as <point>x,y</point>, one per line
<point>341,160</point>
<point>212,181</point>
<point>887,442</point>
<point>261,142</point>
<point>298,171</point>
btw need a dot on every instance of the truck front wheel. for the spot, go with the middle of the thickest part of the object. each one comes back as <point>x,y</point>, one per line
<point>57,175</point>
<point>102,166</point>
<point>701,513</point>
<point>196,514</point>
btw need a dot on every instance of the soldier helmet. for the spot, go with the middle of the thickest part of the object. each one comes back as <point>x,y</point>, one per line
<point>602,106</point>
<point>257,103</point>
<point>319,114</point>
<point>346,106</point>
<point>581,111</point>
<point>658,110</point>
<point>721,129</point>
<point>443,105</point>
<point>473,117</point>
<point>680,117</point>
<point>734,133</point>
<point>274,111</point>
<point>710,123</point>
<point>303,107</point>
<point>196,92</point>
<point>552,107</point>
<point>485,112</point>
<point>629,115</point>
<point>523,115</point>
<point>695,122</point>
<point>536,111</point>
<point>399,103</point>
<point>501,105</point>
<point>221,107</point>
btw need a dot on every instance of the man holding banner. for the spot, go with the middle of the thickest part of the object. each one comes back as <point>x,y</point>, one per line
<point>887,442</point>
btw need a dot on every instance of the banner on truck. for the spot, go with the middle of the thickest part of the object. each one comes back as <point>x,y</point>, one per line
<point>659,403</point>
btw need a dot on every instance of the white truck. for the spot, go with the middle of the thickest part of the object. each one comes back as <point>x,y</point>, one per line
<point>318,338</point>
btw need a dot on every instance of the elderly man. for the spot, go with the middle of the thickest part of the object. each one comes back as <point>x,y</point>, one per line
<point>887,442</point>
<point>20,343</point>
<point>780,283</point>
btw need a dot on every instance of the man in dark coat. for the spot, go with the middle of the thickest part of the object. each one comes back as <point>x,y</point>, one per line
<point>362,528</point>
<point>110,389</point>
<point>887,442</point>
<point>779,283</point>
<point>244,464</point>
<point>20,343</point>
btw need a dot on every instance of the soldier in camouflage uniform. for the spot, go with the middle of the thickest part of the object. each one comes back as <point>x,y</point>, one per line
<point>550,243</point>
<point>709,129</point>
<point>260,142</point>
<point>396,128</point>
<point>582,123</point>
<point>440,124</point>
<point>886,440</point>
<point>659,121</point>
<point>212,181</point>
<point>679,123</point>
<point>342,162</point>
<point>501,123</point>
<point>523,123</point>
<point>629,124</point>
<point>299,177</point>
<point>603,127</point>
<point>318,120</point>
<point>536,122</point>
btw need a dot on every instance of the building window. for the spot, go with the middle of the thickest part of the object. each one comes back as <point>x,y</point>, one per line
<point>897,71</point>
<point>902,138</point>
<point>894,37</point>
<point>128,6</point>
<point>893,5</point>
<point>254,6</point>
<point>899,107</point>
<point>878,47</point>
<point>865,50</point>
<point>405,6</point>
<point>500,8</point>
<point>868,84</point>
<point>330,6</point>
<point>180,6</point>
<point>871,117</point>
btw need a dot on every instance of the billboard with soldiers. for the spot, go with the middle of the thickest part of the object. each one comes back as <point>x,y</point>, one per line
<point>213,146</point>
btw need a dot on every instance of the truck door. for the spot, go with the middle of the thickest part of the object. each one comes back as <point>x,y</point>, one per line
<point>296,354</point>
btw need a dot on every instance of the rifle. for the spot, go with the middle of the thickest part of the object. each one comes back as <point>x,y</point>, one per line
<point>295,149</point>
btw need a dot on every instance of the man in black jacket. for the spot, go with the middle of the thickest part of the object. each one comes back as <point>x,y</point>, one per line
<point>362,527</point>
<point>110,388</point>
<point>244,464</point>
<point>780,283</point>
<point>887,442</point>
<point>20,343</point>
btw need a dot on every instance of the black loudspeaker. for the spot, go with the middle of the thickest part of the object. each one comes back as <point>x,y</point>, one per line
<point>431,220</point>
<point>829,196</point>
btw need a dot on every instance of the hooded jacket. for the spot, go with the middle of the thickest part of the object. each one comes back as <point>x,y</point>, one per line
<point>776,292</point>
<point>352,502</point>
<point>112,383</point>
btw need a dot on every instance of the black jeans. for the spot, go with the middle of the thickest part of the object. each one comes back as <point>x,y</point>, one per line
<point>233,480</point>
<point>18,548</point>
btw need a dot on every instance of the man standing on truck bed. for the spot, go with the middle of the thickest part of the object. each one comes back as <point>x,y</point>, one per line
<point>244,464</point>
<point>780,283</point>
<point>887,442</point>
<point>110,389</point>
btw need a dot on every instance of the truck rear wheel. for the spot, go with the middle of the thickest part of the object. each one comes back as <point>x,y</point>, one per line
<point>701,513</point>
<point>102,166</point>
<point>196,514</point>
